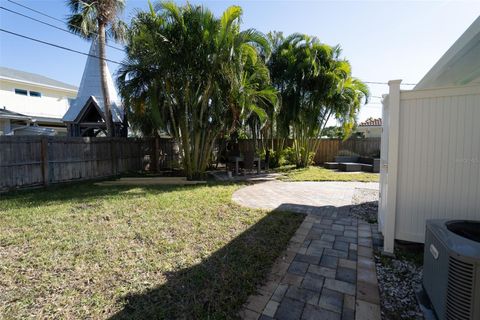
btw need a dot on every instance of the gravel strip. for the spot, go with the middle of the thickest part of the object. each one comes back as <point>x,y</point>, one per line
<point>397,281</point>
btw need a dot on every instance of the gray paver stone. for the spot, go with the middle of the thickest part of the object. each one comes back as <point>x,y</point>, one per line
<point>368,276</point>
<point>301,294</point>
<point>322,271</point>
<point>349,301</point>
<point>367,311</point>
<point>350,233</point>
<point>340,286</point>
<point>289,309</point>
<point>298,268</point>
<point>348,314</point>
<point>346,239</point>
<point>366,242</point>
<point>321,244</point>
<point>368,292</point>
<point>331,300</point>
<point>364,252</point>
<point>317,313</point>
<point>292,279</point>
<point>364,234</point>
<point>341,245</point>
<point>313,251</point>
<point>313,282</point>
<point>271,308</point>
<point>346,274</point>
<point>329,262</point>
<point>336,253</point>
<point>280,292</point>
<point>327,237</point>
<point>308,259</point>
<point>366,263</point>
<point>347,264</point>
<point>352,255</point>
<point>338,227</point>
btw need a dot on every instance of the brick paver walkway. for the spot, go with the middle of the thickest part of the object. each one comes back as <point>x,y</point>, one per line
<point>327,271</point>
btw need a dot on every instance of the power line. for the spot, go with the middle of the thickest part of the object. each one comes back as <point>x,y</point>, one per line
<point>51,17</point>
<point>117,48</point>
<point>58,46</point>
<point>36,11</point>
<point>50,25</point>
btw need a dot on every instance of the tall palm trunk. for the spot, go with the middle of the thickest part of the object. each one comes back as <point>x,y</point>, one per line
<point>103,75</point>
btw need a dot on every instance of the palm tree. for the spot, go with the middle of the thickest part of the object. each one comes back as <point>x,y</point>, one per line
<point>196,76</point>
<point>314,84</point>
<point>94,20</point>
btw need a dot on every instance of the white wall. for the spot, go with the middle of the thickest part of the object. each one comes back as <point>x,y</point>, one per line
<point>53,103</point>
<point>438,171</point>
<point>371,132</point>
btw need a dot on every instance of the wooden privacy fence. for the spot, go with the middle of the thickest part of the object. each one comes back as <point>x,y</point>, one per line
<point>329,148</point>
<point>32,161</point>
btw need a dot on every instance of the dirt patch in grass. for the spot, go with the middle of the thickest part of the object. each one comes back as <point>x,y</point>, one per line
<point>321,174</point>
<point>85,251</point>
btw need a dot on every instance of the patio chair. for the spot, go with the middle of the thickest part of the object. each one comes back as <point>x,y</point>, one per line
<point>250,161</point>
<point>233,162</point>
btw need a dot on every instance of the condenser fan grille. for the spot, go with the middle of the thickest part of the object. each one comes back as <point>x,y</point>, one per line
<point>460,290</point>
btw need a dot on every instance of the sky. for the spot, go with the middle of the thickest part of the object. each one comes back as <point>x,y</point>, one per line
<point>383,40</point>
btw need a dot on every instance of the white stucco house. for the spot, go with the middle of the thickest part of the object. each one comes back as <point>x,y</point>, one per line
<point>32,104</point>
<point>430,151</point>
<point>371,128</point>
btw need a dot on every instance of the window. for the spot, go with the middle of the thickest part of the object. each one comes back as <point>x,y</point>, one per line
<point>35,94</point>
<point>21,92</point>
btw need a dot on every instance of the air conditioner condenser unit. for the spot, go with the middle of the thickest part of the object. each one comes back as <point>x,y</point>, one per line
<point>451,268</point>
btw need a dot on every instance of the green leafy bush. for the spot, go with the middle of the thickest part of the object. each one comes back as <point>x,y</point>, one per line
<point>289,155</point>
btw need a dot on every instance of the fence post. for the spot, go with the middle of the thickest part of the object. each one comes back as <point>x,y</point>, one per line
<point>44,156</point>
<point>113,152</point>
<point>156,149</point>
<point>393,123</point>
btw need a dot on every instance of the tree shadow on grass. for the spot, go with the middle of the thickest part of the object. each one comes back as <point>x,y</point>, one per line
<point>218,286</point>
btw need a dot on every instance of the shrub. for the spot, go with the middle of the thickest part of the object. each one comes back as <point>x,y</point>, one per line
<point>289,155</point>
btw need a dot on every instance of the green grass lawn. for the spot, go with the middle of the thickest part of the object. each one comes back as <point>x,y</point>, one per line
<point>314,173</point>
<point>84,251</point>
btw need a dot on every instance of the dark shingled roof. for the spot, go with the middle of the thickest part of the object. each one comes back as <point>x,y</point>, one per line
<point>370,122</point>
<point>32,77</point>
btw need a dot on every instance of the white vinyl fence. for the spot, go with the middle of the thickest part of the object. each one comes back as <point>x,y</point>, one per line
<point>430,159</point>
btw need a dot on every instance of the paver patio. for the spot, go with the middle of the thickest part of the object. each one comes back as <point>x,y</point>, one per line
<point>272,194</point>
<point>327,271</point>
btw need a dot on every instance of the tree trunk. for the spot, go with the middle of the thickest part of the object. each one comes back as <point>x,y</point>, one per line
<point>104,77</point>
